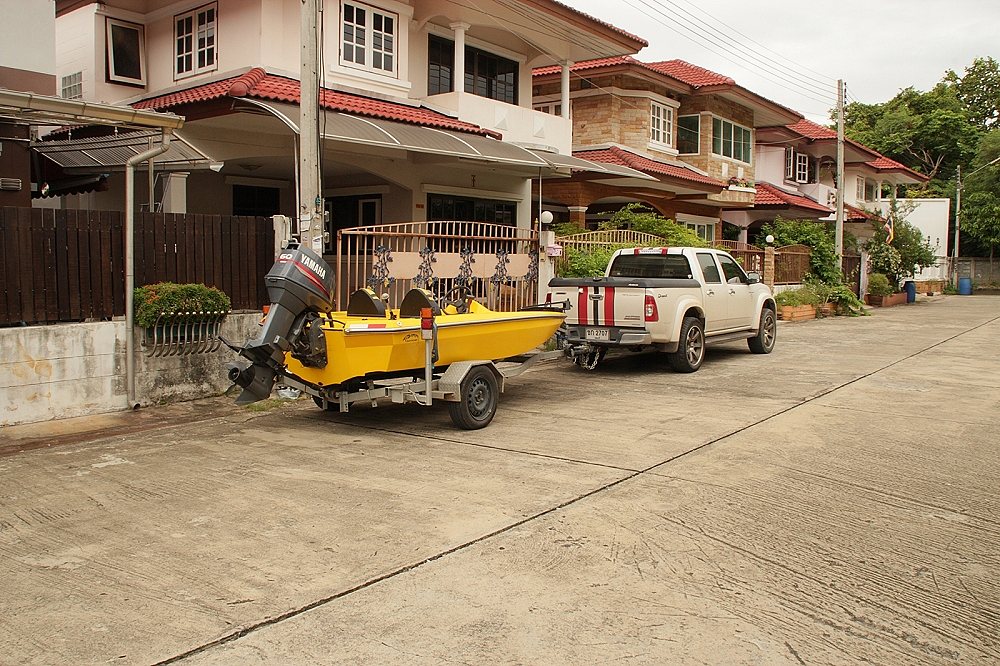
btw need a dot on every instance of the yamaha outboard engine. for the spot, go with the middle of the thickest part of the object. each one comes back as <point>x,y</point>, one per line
<point>299,286</point>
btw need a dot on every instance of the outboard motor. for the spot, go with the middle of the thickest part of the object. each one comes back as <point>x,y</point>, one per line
<point>299,286</point>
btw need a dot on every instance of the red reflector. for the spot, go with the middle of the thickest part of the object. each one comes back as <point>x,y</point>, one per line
<point>651,313</point>
<point>266,308</point>
<point>548,297</point>
<point>426,319</point>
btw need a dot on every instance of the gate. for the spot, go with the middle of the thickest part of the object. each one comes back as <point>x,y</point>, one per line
<point>850,266</point>
<point>497,263</point>
<point>791,263</point>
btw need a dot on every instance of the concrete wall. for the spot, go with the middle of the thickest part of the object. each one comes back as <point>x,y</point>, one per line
<point>29,43</point>
<point>67,370</point>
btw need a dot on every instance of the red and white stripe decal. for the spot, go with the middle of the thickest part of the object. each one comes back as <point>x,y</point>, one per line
<point>609,306</point>
<point>582,301</point>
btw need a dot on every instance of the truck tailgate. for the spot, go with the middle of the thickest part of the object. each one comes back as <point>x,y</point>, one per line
<point>602,305</point>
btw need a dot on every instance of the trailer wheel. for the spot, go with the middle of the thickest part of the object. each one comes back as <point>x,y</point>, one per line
<point>691,350</point>
<point>479,397</point>
<point>591,359</point>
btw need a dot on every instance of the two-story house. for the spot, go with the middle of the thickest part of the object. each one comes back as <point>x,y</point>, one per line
<point>796,179</point>
<point>426,104</point>
<point>693,129</point>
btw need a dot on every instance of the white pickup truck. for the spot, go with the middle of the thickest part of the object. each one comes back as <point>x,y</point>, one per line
<point>675,300</point>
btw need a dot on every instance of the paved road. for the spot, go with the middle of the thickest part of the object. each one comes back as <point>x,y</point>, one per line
<point>834,502</point>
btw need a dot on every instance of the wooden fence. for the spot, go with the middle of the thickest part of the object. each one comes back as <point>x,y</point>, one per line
<point>69,265</point>
<point>791,263</point>
<point>750,257</point>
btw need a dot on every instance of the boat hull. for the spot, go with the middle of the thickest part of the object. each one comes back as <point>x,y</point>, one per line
<point>360,347</point>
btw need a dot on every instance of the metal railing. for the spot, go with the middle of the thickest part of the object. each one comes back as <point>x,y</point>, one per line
<point>791,263</point>
<point>496,263</point>
<point>750,257</point>
<point>183,334</point>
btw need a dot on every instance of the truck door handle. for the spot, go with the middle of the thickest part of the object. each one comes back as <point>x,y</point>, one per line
<point>596,297</point>
<point>711,292</point>
<point>732,291</point>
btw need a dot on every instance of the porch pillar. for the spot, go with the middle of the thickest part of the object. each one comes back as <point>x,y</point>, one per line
<point>578,216</point>
<point>769,266</point>
<point>744,235</point>
<point>564,97</point>
<point>458,81</point>
<point>175,192</point>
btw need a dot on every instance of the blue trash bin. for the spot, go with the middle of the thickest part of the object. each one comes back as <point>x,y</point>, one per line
<point>965,286</point>
<point>911,291</point>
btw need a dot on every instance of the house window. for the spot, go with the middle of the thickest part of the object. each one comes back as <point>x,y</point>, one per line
<point>369,38</point>
<point>126,52</point>
<point>72,86</point>
<point>730,140</point>
<point>706,232</point>
<point>489,75</point>
<point>859,191</point>
<point>661,124</point>
<point>552,109</point>
<point>256,201</point>
<point>468,209</point>
<point>789,164</point>
<point>870,189</point>
<point>194,41</point>
<point>440,65</point>
<point>801,168</point>
<point>689,135</point>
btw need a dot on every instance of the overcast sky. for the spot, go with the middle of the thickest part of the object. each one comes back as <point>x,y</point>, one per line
<point>877,46</point>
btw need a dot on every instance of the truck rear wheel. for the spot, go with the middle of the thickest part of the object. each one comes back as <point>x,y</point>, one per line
<point>479,395</point>
<point>691,348</point>
<point>763,342</point>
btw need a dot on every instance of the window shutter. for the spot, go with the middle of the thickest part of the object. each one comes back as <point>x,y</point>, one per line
<point>789,163</point>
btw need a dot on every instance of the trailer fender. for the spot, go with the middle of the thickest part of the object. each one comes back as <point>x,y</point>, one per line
<point>451,381</point>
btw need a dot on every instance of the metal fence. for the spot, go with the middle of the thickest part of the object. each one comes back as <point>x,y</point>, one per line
<point>69,265</point>
<point>850,266</point>
<point>497,263</point>
<point>607,240</point>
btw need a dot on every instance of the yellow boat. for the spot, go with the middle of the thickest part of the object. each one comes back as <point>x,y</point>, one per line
<point>302,340</point>
<point>376,346</point>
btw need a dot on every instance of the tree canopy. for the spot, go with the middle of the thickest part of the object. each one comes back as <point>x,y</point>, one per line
<point>979,91</point>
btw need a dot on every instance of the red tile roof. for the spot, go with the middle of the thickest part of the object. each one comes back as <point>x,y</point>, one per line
<point>770,196</point>
<point>616,155</point>
<point>692,75</point>
<point>811,130</point>
<point>258,84</point>
<point>589,64</point>
<point>853,214</point>
<point>884,163</point>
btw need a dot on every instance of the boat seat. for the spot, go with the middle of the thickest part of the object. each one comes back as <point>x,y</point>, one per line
<point>364,303</point>
<point>417,299</point>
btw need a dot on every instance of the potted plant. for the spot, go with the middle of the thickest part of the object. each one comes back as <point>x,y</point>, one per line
<point>171,313</point>
<point>796,304</point>
<point>881,292</point>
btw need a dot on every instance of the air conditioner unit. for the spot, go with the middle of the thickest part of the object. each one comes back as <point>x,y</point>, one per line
<point>10,184</point>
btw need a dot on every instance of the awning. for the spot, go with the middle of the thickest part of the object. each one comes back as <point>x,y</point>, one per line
<point>558,160</point>
<point>102,153</point>
<point>337,126</point>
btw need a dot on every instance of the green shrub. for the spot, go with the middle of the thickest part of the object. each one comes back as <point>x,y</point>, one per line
<point>167,297</point>
<point>879,285</point>
<point>587,263</point>
<point>845,300</point>
<point>637,217</point>
<point>801,296</point>
<point>815,235</point>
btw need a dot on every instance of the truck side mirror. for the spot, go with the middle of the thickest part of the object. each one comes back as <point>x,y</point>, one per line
<point>753,277</point>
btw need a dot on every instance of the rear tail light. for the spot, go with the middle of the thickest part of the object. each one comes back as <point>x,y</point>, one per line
<point>650,309</point>
<point>548,297</point>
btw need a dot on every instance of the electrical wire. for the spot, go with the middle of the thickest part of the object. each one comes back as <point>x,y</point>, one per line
<point>693,33</point>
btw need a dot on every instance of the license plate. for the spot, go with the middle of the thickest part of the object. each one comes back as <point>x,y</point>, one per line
<point>598,334</point>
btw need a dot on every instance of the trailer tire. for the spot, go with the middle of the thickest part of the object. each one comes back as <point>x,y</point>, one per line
<point>691,348</point>
<point>479,395</point>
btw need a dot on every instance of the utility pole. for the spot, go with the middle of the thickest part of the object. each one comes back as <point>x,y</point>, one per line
<point>839,225</point>
<point>958,226</point>
<point>310,201</point>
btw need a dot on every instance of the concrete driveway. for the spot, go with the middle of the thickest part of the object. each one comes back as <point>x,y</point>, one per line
<point>832,503</point>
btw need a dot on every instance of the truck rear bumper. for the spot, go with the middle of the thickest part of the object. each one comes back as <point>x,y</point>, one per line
<point>611,336</point>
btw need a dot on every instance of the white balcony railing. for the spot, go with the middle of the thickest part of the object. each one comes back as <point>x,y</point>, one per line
<point>517,124</point>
